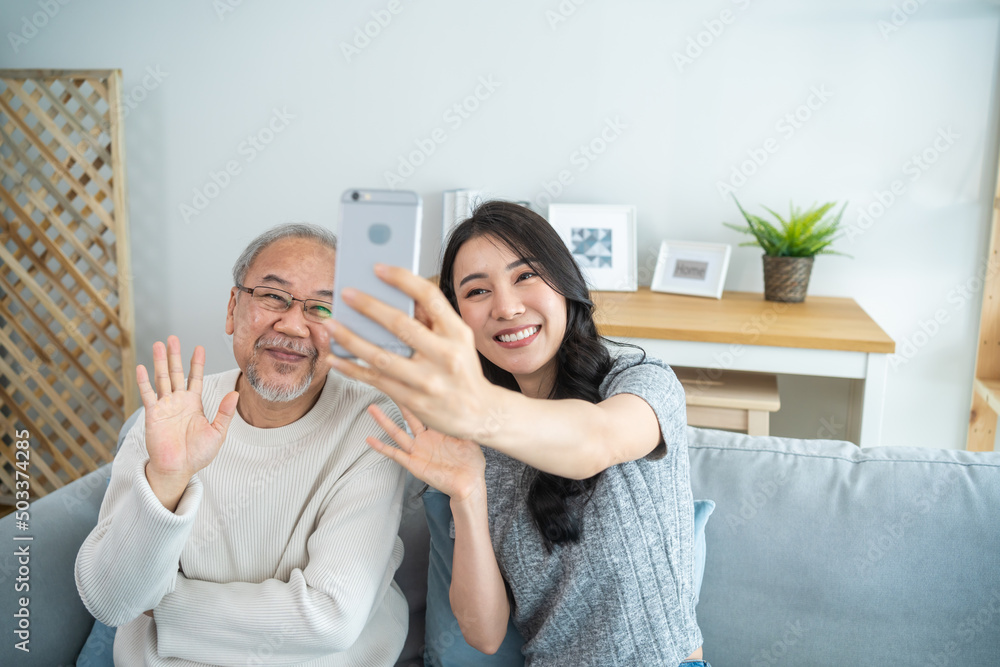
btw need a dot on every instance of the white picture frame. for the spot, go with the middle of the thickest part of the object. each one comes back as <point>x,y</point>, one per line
<point>695,269</point>
<point>602,240</point>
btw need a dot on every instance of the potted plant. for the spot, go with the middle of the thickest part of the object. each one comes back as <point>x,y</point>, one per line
<point>789,249</point>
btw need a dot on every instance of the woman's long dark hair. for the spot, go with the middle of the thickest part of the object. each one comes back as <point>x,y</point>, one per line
<point>582,361</point>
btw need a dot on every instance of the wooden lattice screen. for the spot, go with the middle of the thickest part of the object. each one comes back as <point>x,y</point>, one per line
<point>67,352</point>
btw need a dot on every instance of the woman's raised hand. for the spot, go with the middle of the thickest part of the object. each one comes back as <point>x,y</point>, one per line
<point>452,466</point>
<point>442,383</point>
<point>179,438</point>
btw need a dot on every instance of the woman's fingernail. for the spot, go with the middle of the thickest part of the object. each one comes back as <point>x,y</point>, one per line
<point>381,269</point>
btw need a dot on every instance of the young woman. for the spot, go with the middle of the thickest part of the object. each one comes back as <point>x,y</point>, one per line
<point>567,468</point>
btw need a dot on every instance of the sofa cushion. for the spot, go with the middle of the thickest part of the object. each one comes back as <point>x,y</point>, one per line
<point>702,511</point>
<point>99,649</point>
<point>445,645</point>
<point>823,553</point>
<point>411,577</point>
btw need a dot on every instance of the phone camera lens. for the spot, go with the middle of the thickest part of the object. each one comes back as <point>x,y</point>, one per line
<point>355,196</point>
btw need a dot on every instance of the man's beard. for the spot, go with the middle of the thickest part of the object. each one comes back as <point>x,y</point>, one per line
<point>276,392</point>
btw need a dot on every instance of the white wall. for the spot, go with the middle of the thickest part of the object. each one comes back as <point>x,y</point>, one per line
<point>887,95</point>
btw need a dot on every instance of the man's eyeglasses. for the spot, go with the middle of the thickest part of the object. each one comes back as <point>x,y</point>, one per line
<point>270,298</point>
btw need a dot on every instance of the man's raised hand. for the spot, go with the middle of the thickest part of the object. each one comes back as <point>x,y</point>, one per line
<point>179,438</point>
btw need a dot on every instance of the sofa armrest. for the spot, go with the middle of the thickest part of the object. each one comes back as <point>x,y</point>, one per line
<point>57,622</point>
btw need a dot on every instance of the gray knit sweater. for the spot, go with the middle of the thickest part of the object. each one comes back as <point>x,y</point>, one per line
<point>623,594</point>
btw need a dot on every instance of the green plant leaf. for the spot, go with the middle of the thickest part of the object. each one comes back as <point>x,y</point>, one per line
<point>803,234</point>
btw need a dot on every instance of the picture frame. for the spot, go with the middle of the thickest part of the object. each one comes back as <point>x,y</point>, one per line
<point>695,269</point>
<point>602,240</point>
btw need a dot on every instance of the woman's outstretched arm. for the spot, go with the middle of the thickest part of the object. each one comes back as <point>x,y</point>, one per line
<point>570,437</point>
<point>443,384</point>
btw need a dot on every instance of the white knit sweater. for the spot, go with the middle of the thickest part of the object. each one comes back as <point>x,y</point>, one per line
<point>282,551</point>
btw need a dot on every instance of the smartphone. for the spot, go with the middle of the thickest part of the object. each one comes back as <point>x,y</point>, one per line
<point>375,226</point>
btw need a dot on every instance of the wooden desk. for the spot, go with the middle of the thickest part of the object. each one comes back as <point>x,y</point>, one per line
<point>823,336</point>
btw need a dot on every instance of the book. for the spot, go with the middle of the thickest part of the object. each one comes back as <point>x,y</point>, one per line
<point>457,206</point>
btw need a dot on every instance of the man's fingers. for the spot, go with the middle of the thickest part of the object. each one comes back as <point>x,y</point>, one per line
<point>160,374</point>
<point>197,369</point>
<point>145,389</point>
<point>227,408</point>
<point>400,436</point>
<point>175,365</point>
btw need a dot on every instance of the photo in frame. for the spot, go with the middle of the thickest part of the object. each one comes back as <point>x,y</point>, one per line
<point>602,240</point>
<point>696,269</point>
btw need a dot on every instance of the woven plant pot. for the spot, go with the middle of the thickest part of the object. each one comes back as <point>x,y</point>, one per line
<point>786,278</point>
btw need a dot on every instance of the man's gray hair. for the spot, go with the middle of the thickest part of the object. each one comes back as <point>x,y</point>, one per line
<point>298,230</point>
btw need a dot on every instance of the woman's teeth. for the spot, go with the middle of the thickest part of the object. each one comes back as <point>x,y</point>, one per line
<point>520,335</point>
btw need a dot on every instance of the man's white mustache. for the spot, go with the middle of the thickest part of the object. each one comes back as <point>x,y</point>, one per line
<point>287,344</point>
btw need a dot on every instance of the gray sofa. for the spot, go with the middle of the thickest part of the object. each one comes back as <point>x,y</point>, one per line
<point>819,553</point>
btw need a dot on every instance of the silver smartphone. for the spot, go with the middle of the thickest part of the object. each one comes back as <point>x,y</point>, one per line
<point>375,226</point>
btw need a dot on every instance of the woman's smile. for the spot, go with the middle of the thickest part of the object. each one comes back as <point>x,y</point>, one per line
<point>517,337</point>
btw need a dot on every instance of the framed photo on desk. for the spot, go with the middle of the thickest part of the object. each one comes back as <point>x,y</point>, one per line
<point>696,269</point>
<point>602,241</point>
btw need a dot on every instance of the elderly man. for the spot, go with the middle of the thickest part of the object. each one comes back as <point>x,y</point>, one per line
<point>246,521</point>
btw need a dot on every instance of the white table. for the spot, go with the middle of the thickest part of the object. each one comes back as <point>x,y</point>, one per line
<point>823,336</point>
